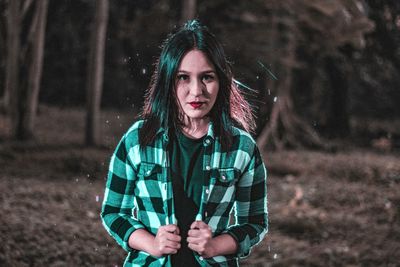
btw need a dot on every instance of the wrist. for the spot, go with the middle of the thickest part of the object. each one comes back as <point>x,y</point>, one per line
<point>152,249</point>
<point>212,249</point>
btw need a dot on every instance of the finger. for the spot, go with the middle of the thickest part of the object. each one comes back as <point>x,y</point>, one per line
<point>169,251</point>
<point>172,244</point>
<point>193,240</point>
<point>195,225</point>
<point>172,237</point>
<point>196,248</point>
<point>194,233</point>
<point>169,228</point>
<point>199,225</point>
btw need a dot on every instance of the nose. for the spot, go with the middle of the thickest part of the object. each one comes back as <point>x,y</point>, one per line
<point>196,87</point>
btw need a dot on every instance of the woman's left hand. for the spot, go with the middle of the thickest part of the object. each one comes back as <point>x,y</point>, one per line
<point>200,239</point>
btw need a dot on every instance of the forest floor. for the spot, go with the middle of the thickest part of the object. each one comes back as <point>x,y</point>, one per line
<point>337,208</point>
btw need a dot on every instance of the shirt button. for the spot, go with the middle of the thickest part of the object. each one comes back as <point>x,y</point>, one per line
<point>207,191</point>
<point>223,177</point>
<point>205,214</point>
<point>207,141</point>
<point>148,172</point>
<point>201,258</point>
<point>208,168</point>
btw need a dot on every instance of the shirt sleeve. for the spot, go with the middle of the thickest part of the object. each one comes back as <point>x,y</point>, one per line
<point>117,209</point>
<point>251,206</point>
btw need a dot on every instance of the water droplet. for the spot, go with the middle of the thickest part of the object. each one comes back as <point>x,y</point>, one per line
<point>269,92</point>
<point>144,71</point>
<point>275,98</point>
<point>275,256</point>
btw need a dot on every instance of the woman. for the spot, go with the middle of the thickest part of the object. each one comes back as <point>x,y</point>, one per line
<point>179,172</point>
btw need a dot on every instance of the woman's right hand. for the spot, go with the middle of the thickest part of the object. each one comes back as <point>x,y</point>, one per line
<point>167,241</point>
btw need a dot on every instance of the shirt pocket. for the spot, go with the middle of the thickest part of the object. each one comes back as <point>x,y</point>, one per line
<point>148,181</point>
<point>223,185</point>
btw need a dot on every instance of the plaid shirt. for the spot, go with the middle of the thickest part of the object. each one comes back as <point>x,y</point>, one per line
<point>139,194</point>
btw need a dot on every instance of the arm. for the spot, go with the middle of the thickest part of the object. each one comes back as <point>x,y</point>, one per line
<point>251,206</point>
<point>116,213</point>
<point>167,240</point>
<point>117,208</point>
<point>200,240</point>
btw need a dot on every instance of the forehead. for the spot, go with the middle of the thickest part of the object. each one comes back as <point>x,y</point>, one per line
<point>195,60</point>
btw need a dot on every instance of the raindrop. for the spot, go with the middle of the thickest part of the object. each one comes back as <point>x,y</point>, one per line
<point>269,92</point>
<point>77,180</point>
<point>275,256</point>
<point>118,117</point>
<point>144,71</point>
<point>275,98</point>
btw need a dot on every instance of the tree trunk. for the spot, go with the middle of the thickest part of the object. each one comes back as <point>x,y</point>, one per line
<point>95,72</point>
<point>285,128</point>
<point>11,95</point>
<point>28,114</point>
<point>338,118</point>
<point>188,10</point>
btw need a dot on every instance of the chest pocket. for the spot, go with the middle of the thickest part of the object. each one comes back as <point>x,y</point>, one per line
<point>148,181</point>
<point>223,183</point>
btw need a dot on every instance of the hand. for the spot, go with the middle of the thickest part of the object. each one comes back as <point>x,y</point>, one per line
<point>200,239</point>
<point>167,241</point>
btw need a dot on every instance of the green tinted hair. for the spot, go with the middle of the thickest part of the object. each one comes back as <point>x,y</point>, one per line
<point>161,108</point>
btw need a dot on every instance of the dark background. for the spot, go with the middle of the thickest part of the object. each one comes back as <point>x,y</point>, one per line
<point>333,202</point>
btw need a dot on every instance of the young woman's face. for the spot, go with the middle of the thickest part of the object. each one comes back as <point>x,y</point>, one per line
<point>196,84</point>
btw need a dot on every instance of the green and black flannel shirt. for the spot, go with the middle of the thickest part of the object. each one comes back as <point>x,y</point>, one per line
<point>139,193</point>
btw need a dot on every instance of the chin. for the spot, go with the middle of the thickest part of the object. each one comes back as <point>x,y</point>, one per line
<point>196,114</point>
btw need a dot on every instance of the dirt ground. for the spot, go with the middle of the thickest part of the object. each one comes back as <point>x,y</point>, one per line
<point>325,208</point>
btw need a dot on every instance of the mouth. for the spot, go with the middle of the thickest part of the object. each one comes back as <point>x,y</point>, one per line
<point>196,105</point>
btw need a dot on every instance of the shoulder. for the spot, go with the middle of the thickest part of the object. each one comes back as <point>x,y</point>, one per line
<point>131,136</point>
<point>243,140</point>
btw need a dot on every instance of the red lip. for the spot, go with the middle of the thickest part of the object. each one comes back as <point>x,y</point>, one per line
<point>196,104</point>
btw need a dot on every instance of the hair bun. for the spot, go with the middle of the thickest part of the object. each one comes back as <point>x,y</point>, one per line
<point>192,25</point>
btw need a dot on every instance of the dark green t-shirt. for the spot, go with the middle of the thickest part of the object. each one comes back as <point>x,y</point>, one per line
<point>186,157</point>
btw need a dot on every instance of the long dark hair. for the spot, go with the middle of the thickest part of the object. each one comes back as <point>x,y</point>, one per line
<point>161,108</point>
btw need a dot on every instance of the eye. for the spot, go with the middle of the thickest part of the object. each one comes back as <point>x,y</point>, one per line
<point>208,77</point>
<point>182,77</point>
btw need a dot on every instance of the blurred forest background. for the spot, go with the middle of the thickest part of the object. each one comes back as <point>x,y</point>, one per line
<point>322,76</point>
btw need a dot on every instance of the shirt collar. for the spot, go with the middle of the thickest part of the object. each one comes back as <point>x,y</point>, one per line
<point>208,139</point>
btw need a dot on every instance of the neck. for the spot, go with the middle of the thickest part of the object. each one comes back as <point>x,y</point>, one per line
<point>196,128</point>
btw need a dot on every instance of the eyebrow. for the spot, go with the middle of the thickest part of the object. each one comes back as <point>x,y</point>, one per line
<point>202,72</point>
